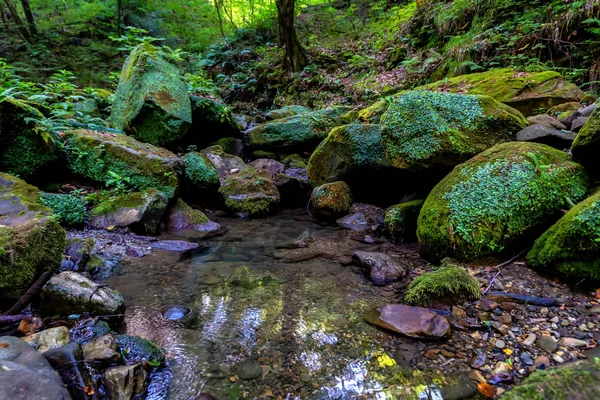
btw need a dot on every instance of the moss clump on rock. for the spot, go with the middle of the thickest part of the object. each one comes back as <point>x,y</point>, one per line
<point>151,102</point>
<point>422,129</point>
<point>250,192</point>
<point>331,199</point>
<point>586,146</point>
<point>485,204</point>
<point>528,92</point>
<point>31,239</point>
<point>23,151</point>
<point>400,222</point>
<point>576,381</point>
<point>199,171</point>
<point>451,281</point>
<point>347,149</point>
<point>95,154</point>
<point>285,112</point>
<point>67,208</point>
<point>135,348</point>
<point>572,245</point>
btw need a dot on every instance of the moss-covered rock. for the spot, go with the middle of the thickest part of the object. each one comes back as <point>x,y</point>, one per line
<point>294,161</point>
<point>572,245</point>
<point>528,92</point>
<point>139,211</point>
<point>297,133</point>
<point>224,163</point>
<point>23,151</point>
<point>200,173</point>
<point>184,217</point>
<point>230,145</point>
<point>487,203</point>
<point>400,223</point>
<point>577,381</point>
<point>250,192</point>
<point>586,146</point>
<point>331,200</point>
<point>31,239</point>
<point>348,150</point>
<point>151,102</point>
<point>67,208</point>
<point>94,155</point>
<point>211,120</point>
<point>135,349</point>
<point>449,283</point>
<point>285,112</point>
<point>422,130</point>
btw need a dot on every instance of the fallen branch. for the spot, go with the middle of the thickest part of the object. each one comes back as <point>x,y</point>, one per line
<point>12,319</point>
<point>500,266</point>
<point>29,294</point>
<point>521,298</point>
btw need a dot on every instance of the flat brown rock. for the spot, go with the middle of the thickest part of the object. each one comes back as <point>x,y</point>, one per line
<point>415,322</point>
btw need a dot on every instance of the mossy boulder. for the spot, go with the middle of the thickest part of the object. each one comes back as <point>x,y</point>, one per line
<point>489,202</point>
<point>331,200</point>
<point>231,145</point>
<point>400,222</point>
<point>67,208</point>
<point>423,130</point>
<point>23,151</point>
<point>224,163</point>
<point>577,381</point>
<point>94,154</point>
<point>31,239</point>
<point>450,283</point>
<point>285,112</point>
<point>183,217</point>
<point>348,150</point>
<point>586,146</point>
<point>135,349</point>
<point>528,92</point>
<point>200,173</point>
<point>301,132</point>
<point>141,212</point>
<point>572,245</point>
<point>250,192</point>
<point>211,120</point>
<point>152,102</point>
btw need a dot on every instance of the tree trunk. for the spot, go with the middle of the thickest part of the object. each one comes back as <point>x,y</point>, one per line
<point>119,15</point>
<point>20,25</point>
<point>294,55</point>
<point>4,19</point>
<point>218,7</point>
<point>29,17</point>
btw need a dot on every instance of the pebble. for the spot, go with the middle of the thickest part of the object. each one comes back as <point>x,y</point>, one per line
<point>530,340</point>
<point>304,377</point>
<point>505,319</point>
<point>500,344</point>
<point>572,342</point>
<point>526,358</point>
<point>541,362</point>
<point>249,369</point>
<point>546,343</point>
<point>558,358</point>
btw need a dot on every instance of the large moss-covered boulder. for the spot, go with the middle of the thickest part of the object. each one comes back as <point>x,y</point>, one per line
<point>224,163</point>
<point>331,200</point>
<point>296,133</point>
<point>400,222</point>
<point>348,150</point>
<point>211,120</point>
<point>250,192</point>
<point>586,146</point>
<point>95,155</point>
<point>422,130</point>
<point>489,202</point>
<point>151,102</point>
<point>572,245</point>
<point>23,151</point>
<point>139,211</point>
<point>577,381</point>
<point>200,173</point>
<point>528,92</point>
<point>183,217</point>
<point>285,111</point>
<point>31,240</point>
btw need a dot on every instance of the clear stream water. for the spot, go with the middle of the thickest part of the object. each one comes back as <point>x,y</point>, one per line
<point>302,321</point>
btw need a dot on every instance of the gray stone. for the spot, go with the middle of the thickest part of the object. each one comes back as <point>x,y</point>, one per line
<point>249,369</point>
<point>224,163</point>
<point>578,123</point>
<point>71,293</point>
<point>416,322</point>
<point>49,339</point>
<point>500,344</point>
<point>26,374</point>
<point>530,340</point>
<point>66,360</point>
<point>356,222</point>
<point>546,343</point>
<point>463,389</point>
<point>572,342</point>
<point>125,381</point>
<point>547,121</point>
<point>103,351</point>
<point>382,268</point>
<point>587,111</point>
<point>545,135</point>
<point>526,358</point>
<point>274,167</point>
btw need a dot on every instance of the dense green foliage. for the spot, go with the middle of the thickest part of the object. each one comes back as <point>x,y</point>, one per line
<point>69,209</point>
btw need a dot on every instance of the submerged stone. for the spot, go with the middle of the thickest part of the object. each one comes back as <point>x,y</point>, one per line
<point>415,322</point>
<point>382,268</point>
<point>250,192</point>
<point>331,200</point>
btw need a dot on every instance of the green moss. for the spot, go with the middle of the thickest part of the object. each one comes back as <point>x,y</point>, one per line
<point>332,197</point>
<point>135,348</point>
<point>572,245</point>
<point>422,129</point>
<point>451,281</point>
<point>489,202</point>
<point>200,171</point>
<point>569,382</point>
<point>229,145</point>
<point>586,146</point>
<point>286,111</point>
<point>294,161</point>
<point>23,151</point>
<point>401,221</point>
<point>133,200</point>
<point>265,154</point>
<point>250,192</point>
<point>67,208</point>
<point>93,154</point>
<point>186,215</point>
<point>152,101</point>
<point>346,149</point>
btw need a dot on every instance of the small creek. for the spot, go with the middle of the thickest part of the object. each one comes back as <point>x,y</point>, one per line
<point>302,320</point>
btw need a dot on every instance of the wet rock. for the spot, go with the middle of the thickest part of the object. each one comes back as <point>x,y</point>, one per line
<point>572,342</point>
<point>70,293</point>
<point>526,358</point>
<point>382,268</point>
<point>175,312</point>
<point>547,121</point>
<point>123,382</point>
<point>88,330</point>
<point>139,211</point>
<point>26,374</point>
<point>464,389</point>
<point>49,339</point>
<point>356,222</point>
<point>67,361</point>
<point>184,217</point>
<point>249,369</point>
<point>102,351</point>
<point>174,245</point>
<point>549,136</point>
<point>293,187</point>
<point>250,192</point>
<point>135,348</point>
<point>404,355</point>
<point>401,221</point>
<point>546,343</point>
<point>414,322</point>
<point>530,340</point>
<point>274,167</point>
<point>26,226</point>
<point>331,200</point>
